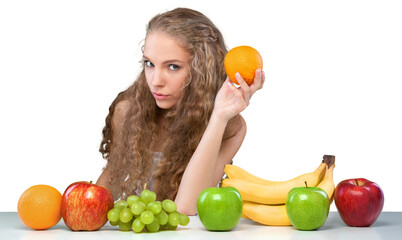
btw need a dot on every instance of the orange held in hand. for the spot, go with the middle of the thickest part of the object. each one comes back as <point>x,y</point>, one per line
<point>39,207</point>
<point>244,60</point>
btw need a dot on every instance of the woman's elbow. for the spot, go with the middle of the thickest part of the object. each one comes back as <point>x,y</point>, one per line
<point>188,210</point>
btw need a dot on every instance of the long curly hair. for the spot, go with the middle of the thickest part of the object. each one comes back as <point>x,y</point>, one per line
<point>130,158</point>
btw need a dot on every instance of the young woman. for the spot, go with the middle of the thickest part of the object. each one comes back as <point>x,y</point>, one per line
<point>178,124</point>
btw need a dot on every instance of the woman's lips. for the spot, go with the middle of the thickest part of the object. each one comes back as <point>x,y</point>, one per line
<point>159,96</point>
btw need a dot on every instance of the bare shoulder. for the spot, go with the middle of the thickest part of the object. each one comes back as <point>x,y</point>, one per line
<point>236,127</point>
<point>122,108</point>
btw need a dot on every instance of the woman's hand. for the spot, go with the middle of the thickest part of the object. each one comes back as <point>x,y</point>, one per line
<point>230,100</point>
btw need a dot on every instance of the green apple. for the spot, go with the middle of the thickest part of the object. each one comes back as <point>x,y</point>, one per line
<point>219,209</point>
<point>307,207</point>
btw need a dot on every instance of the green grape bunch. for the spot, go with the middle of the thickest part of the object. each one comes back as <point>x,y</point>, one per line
<point>144,214</point>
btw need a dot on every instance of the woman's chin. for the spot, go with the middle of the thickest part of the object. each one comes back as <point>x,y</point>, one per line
<point>164,106</point>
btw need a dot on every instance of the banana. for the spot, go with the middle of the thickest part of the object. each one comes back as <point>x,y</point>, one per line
<point>233,171</point>
<point>243,215</point>
<point>273,215</point>
<point>327,184</point>
<point>274,193</point>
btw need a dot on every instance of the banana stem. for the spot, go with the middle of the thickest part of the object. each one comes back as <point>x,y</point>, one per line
<point>329,160</point>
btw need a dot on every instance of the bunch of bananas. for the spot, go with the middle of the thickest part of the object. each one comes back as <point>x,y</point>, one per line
<point>264,200</point>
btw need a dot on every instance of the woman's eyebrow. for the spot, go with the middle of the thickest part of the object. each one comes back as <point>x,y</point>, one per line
<point>166,61</point>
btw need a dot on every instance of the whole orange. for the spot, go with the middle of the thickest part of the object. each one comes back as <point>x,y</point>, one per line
<point>39,207</point>
<point>244,60</point>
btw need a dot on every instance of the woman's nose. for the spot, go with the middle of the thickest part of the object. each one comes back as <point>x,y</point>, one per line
<point>157,79</point>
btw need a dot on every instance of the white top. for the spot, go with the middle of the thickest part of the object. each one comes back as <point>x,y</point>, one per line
<point>157,157</point>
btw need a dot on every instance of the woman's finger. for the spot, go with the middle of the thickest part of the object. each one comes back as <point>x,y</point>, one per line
<point>262,79</point>
<point>244,88</point>
<point>258,80</point>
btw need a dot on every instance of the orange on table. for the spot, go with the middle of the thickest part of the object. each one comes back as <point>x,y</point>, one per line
<point>39,207</point>
<point>244,60</point>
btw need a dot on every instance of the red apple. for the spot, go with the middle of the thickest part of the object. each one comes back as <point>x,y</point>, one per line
<point>359,201</point>
<point>84,206</point>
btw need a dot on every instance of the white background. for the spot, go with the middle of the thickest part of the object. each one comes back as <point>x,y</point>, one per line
<point>334,73</point>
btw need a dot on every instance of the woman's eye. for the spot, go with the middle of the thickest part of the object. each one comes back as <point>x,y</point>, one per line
<point>148,63</point>
<point>174,67</point>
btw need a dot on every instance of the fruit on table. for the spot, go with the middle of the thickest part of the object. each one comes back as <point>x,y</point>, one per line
<point>307,207</point>
<point>219,209</point>
<point>144,214</point>
<point>359,201</point>
<point>273,193</point>
<point>244,60</point>
<point>84,206</point>
<point>39,207</point>
<point>275,213</point>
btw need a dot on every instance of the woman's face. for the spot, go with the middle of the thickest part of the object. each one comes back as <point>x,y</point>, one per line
<point>166,68</point>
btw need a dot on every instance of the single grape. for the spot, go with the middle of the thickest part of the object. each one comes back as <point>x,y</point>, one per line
<point>153,226</point>
<point>137,225</point>
<point>148,196</point>
<point>114,223</point>
<point>170,227</point>
<point>169,206</point>
<point>138,207</point>
<point>153,195</point>
<point>114,214</point>
<point>184,219</point>
<point>126,215</point>
<point>125,226</point>
<point>120,204</point>
<point>162,217</point>
<point>147,217</point>
<point>174,218</point>
<point>154,207</point>
<point>131,199</point>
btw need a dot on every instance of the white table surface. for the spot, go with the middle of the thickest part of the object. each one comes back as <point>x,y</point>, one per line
<point>387,226</point>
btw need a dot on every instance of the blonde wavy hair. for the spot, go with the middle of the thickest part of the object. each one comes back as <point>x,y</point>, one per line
<point>131,155</point>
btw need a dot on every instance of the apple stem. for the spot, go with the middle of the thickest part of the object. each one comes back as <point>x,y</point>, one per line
<point>357,183</point>
<point>90,182</point>
<point>145,186</point>
<point>305,182</point>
